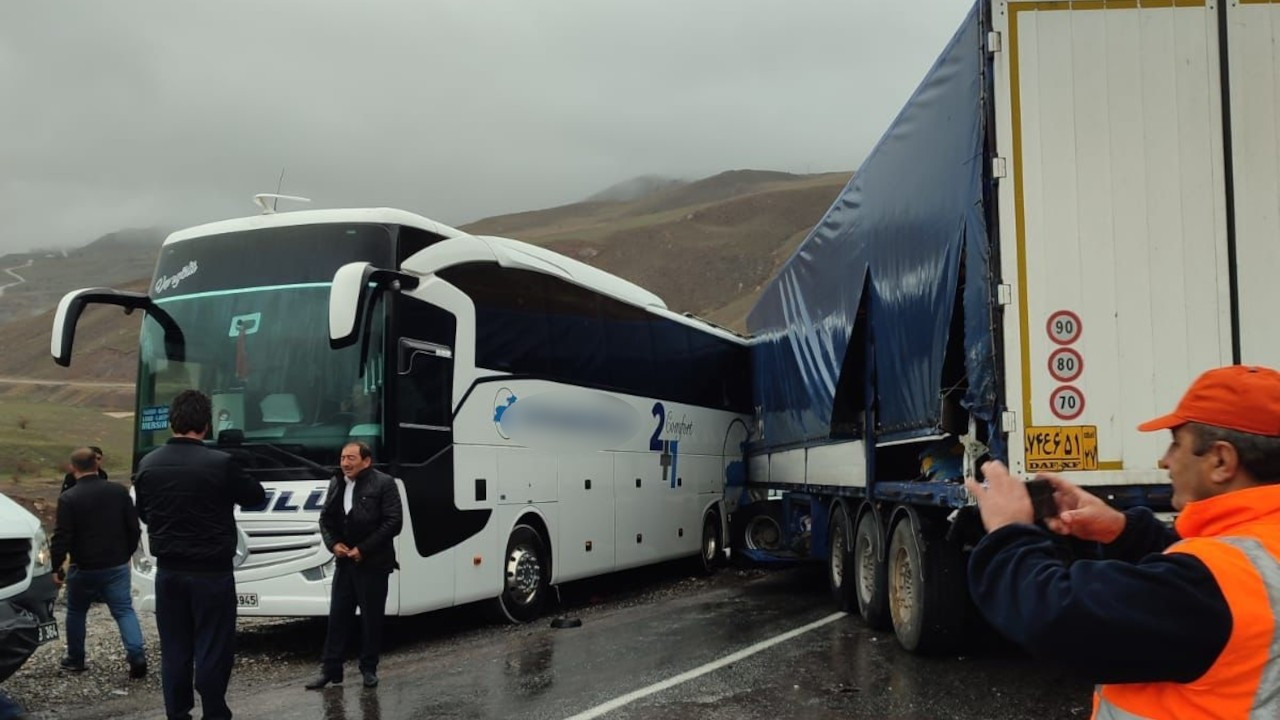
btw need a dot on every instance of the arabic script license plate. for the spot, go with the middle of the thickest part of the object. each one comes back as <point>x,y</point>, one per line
<point>1061,448</point>
<point>247,600</point>
<point>48,632</point>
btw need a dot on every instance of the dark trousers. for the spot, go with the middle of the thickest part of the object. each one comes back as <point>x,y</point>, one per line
<point>196,616</point>
<point>355,586</point>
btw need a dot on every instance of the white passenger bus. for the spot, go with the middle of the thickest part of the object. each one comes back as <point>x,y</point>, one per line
<point>545,421</point>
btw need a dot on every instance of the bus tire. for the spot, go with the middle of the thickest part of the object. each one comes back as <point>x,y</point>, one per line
<point>927,598</point>
<point>840,577</point>
<point>526,574</point>
<point>871,586</point>
<point>711,553</point>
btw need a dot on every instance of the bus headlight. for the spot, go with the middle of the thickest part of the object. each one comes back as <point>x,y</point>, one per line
<point>242,548</point>
<point>319,572</point>
<point>43,553</point>
<point>142,561</point>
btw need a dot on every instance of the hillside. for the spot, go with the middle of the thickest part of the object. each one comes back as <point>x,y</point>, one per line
<point>34,282</point>
<point>705,247</point>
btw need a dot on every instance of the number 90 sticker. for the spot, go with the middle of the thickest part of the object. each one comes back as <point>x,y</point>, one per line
<point>1065,365</point>
<point>1067,402</point>
<point>1063,327</point>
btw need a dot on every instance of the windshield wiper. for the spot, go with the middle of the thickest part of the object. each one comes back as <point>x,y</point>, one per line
<point>286,460</point>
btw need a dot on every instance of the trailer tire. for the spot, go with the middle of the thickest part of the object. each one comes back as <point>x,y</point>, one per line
<point>840,576</point>
<point>526,575</point>
<point>871,584</point>
<point>927,598</point>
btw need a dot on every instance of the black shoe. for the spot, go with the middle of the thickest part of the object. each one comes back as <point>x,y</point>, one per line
<point>370,678</point>
<point>69,664</point>
<point>324,679</point>
<point>138,670</point>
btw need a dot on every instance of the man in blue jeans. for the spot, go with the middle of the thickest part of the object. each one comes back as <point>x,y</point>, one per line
<point>97,526</point>
<point>187,495</point>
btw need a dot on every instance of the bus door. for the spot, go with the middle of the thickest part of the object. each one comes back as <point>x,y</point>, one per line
<point>422,443</point>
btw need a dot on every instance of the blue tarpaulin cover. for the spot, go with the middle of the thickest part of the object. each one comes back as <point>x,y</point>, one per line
<point>908,226</point>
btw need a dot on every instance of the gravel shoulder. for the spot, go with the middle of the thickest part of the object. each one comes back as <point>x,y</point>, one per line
<point>276,652</point>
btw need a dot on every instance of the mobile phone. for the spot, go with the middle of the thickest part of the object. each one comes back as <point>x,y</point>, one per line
<point>1042,502</point>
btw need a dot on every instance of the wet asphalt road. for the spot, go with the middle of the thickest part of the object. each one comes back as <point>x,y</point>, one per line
<point>836,670</point>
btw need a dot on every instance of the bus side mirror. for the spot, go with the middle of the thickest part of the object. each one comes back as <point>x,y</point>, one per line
<point>74,303</point>
<point>351,296</point>
<point>347,298</point>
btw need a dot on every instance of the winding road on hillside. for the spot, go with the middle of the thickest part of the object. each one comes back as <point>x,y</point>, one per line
<point>71,383</point>
<point>21,279</point>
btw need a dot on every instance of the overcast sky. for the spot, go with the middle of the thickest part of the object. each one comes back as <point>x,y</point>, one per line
<point>129,114</point>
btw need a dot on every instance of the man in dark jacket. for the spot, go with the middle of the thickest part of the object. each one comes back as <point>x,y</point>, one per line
<point>359,522</point>
<point>187,495</point>
<point>69,480</point>
<point>97,526</point>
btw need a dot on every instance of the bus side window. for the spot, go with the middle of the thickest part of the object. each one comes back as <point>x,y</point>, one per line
<point>426,385</point>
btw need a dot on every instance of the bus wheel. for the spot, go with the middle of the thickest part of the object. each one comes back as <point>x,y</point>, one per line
<point>926,586</point>
<point>525,576</point>
<point>712,554</point>
<point>871,584</point>
<point>840,562</point>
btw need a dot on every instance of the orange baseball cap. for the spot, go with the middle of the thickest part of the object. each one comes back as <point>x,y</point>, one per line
<point>1237,397</point>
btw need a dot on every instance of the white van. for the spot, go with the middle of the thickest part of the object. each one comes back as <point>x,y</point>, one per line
<point>26,577</point>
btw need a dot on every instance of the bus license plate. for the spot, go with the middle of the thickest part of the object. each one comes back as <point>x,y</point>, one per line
<point>249,600</point>
<point>1061,448</point>
<point>48,632</point>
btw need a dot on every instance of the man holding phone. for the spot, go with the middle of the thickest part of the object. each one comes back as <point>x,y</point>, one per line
<point>1173,624</point>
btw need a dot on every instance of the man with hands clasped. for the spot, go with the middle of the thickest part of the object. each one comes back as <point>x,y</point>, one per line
<point>359,522</point>
<point>1172,624</point>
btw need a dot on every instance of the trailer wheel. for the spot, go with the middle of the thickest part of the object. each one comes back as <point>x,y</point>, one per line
<point>712,554</point>
<point>926,587</point>
<point>840,575</point>
<point>525,576</point>
<point>871,584</point>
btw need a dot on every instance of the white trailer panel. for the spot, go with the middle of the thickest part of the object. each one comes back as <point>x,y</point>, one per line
<point>1113,221</point>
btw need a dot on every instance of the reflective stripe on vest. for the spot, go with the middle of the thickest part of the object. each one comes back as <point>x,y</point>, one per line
<point>1104,710</point>
<point>1266,701</point>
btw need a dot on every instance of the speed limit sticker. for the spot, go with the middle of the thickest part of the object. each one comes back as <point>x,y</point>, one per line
<point>1063,327</point>
<point>1067,402</point>
<point>1065,365</point>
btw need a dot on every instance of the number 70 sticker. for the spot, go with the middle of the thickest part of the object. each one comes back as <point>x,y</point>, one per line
<point>1067,402</point>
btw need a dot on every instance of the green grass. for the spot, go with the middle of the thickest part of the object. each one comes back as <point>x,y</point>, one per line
<point>36,439</point>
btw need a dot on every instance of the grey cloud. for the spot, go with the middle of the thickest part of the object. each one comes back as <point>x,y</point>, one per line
<point>134,113</point>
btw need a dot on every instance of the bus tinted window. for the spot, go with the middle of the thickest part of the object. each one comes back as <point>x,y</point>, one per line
<point>576,331</point>
<point>511,320</point>
<point>533,324</point>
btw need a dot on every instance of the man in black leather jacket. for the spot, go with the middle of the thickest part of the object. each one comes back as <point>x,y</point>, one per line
<point>98,527</point>
<point>359,522</point>
<point>186,494</point>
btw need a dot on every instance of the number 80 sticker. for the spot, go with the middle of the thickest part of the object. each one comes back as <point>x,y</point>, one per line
<point>1067,402</point>
<point>1065,365</point>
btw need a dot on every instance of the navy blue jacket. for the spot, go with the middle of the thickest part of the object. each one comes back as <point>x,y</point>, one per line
<point>186,494</point>
<point>1136,615</point>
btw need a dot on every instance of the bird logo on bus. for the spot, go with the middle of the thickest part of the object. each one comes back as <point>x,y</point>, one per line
<point>501,403</point>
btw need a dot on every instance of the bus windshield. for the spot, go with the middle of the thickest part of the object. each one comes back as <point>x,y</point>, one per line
<point>261,352</point>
